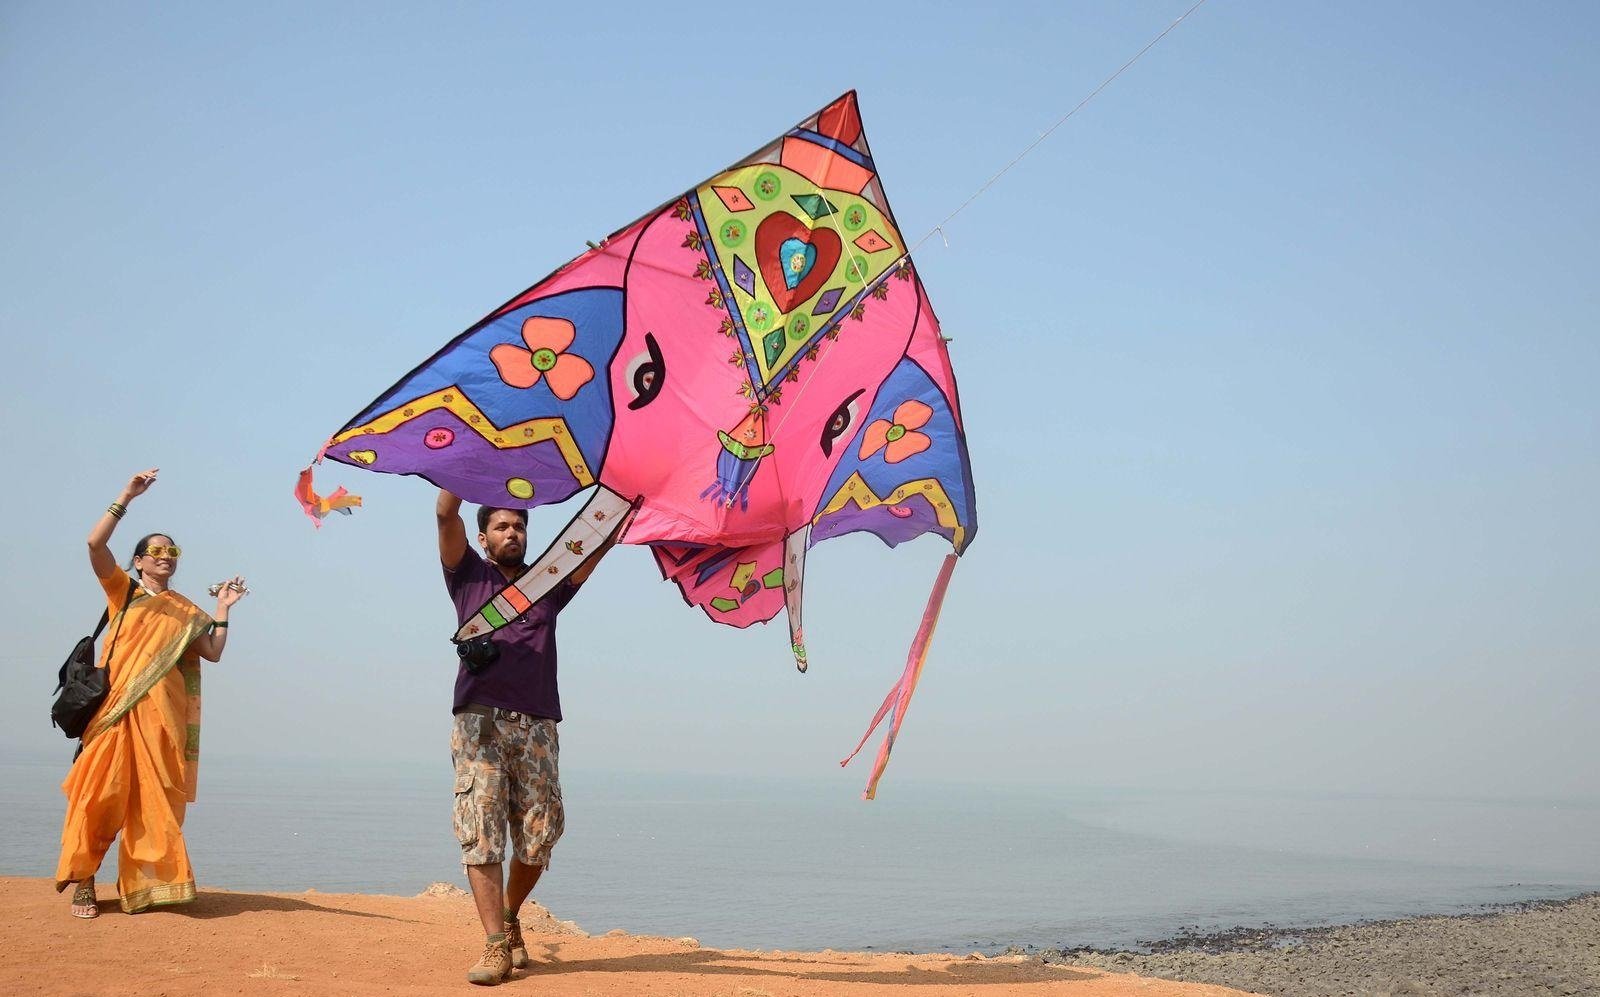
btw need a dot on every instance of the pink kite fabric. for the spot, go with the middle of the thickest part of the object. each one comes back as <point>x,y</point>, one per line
<point>749,369</point>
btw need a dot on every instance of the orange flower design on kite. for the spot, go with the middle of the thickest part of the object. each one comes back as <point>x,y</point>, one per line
<point>898,438</point>
<point>547,340</point>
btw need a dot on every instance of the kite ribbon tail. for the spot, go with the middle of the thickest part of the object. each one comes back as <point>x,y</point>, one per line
<point>305,494</point>
<point>900,696</point>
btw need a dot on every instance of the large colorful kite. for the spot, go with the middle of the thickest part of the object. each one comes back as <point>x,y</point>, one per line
<point>747,370</point>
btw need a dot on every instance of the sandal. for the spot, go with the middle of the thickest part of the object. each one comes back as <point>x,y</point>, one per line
<point>85,904</point>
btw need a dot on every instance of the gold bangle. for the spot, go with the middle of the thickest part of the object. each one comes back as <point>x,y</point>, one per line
<point>117,509</point>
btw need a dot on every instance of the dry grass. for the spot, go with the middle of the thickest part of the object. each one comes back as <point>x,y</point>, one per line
<point>270,972</point>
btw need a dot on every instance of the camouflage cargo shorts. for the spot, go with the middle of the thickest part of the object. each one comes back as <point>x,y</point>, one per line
<point>506,775</point>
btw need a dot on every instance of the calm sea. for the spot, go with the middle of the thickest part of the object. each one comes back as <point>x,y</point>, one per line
<point>796,864</point>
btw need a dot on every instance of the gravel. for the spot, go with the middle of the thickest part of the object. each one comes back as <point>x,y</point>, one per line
<point>1536,949</point>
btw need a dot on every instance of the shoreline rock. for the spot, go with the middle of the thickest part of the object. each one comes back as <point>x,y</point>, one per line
<point>1536,947</point>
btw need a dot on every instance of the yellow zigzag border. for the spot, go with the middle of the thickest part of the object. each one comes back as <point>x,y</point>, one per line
<point>552,428</point>
<point>855,489</point>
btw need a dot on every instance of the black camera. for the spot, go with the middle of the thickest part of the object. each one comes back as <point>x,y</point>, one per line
<point>478,653</point>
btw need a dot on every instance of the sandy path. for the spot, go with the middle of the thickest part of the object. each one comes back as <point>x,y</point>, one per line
<point>339,944</point>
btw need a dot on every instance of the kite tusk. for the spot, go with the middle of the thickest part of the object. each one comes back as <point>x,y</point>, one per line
<point>794,564</point>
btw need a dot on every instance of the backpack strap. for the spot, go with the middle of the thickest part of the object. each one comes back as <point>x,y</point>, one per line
<point>105,616</point>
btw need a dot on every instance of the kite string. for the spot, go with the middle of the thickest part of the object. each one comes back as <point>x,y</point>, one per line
<point>939,228</point>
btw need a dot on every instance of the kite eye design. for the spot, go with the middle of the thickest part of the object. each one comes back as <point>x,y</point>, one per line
<point>839,423</point>
<point>646,374</point>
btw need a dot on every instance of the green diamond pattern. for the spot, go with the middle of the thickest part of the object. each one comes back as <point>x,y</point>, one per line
<point>815,205</point>
<point>773,344</point>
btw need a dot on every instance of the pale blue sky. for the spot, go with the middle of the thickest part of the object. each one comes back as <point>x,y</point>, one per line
<point>1279,363</point>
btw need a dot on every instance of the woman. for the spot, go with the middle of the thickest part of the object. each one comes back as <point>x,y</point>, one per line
<point>136,770</point>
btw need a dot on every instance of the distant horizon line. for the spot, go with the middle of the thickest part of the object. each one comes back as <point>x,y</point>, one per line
<point>28,756</point>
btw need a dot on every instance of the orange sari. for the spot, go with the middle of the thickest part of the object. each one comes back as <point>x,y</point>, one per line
<point>141,752</point>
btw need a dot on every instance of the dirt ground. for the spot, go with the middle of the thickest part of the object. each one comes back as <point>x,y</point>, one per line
<point>342,944</point>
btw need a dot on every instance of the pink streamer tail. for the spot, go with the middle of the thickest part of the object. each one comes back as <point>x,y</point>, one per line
<point>900,696</point>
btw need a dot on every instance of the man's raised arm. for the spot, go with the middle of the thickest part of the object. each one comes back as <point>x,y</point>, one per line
<point>452,531</point>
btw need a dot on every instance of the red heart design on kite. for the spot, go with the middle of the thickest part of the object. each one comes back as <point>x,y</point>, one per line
<point>770,235</point>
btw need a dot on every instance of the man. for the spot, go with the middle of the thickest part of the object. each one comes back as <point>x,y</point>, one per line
<point>503,741</point>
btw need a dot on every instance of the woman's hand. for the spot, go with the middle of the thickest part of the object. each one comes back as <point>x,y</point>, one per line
<point>100,558</point>
<point>231,592</point>
<point>140,483</point>
<point>212,644</point>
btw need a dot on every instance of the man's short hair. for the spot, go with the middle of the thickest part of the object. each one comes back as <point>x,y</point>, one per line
<point>485,511</point>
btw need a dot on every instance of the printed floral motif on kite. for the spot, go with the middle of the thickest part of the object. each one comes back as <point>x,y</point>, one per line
<point>897,436</point>
<point>547,340</point>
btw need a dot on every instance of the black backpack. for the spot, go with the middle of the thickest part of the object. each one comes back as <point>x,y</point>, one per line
<point>82,686</point>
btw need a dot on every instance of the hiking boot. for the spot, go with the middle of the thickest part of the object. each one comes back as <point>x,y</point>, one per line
<point>494,966</point>
<point>519,950</point>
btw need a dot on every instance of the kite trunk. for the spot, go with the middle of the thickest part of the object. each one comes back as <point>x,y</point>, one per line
<point>742,450</point>
<point>900,696</point>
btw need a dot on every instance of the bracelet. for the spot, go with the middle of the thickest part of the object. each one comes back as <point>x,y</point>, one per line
<point>219,624</point>
<point>117,509</point>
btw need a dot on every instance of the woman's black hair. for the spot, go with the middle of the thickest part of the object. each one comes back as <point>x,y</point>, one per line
<point>144,545</point>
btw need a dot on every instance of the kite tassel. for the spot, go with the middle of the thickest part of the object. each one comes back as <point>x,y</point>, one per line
<point>899,697</point>
<point>315,506</point>
<point>305,494</point>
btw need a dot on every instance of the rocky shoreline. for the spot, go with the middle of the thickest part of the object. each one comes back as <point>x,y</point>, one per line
<point>1532,949</point>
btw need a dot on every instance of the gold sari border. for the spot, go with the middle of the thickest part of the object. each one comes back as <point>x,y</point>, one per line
<point>165,895</point>
<point>155,672</point>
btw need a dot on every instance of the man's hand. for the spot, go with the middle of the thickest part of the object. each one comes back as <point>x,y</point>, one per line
<point>452,531</point>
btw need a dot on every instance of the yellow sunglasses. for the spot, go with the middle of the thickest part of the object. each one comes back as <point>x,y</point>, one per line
<point>163,550</point>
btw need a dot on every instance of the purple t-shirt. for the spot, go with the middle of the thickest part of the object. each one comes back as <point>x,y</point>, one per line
<point>524,676</point>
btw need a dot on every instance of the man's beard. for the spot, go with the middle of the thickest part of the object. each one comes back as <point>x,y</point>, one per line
<point>503,556</point>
